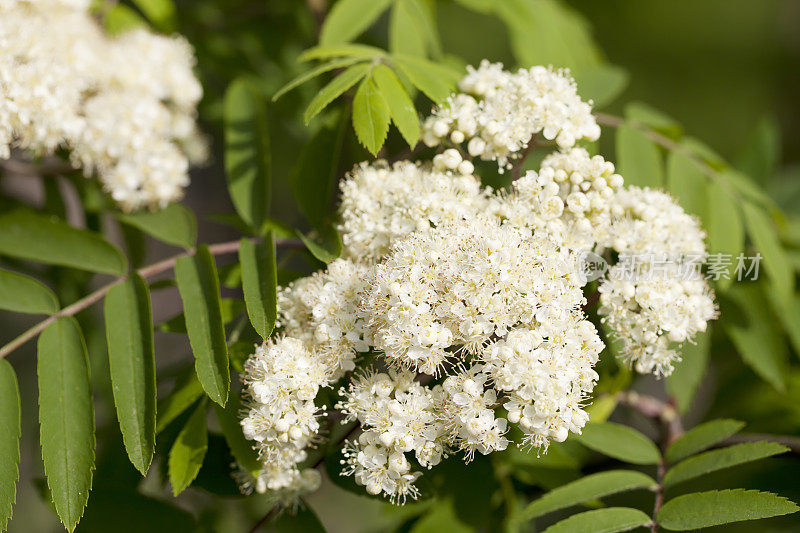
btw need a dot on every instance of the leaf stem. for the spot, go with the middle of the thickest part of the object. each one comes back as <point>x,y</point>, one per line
<point>222,248</point>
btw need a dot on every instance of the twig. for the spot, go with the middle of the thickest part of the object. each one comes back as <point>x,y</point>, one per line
<point>661,470</point>
<point>665,413</point>
<point>654,408</point>
<point>151,270</point>
<point>666,142</point>
<point>516,171</point>
<point>48,167</point>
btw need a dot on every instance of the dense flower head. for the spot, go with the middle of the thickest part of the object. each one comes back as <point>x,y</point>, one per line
<point>460,285</point>
<point>457,312</point>
<point>382,202</point>
<point>655,297</point>
<point>282,380</point>
<point>124,107</point>
<point>497,113</point>
<point>571,197</point>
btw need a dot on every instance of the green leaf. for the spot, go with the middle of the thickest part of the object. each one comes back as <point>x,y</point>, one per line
<point>120,19</point>
<point>602,83</point>
<point>349,18</point>
<point>175,224</point>
<point>585,489</point>
<point>25,234</point>
<point>724,226</point>
<point>436,81</point>
<point>184,394</point>
<point>327,247</point>
<point>714,460</point>
<point>230,309</point>
<point>161,13</point>
<point>314,72</point>
<point>313,180</point>
<point>746,188</point>
<point>682,384</point>
<point>247,151</point>
<point>412,29</point>
<point>241,448</point>
<point>638,158</point>
<point>765,238</point>
<point>187,453</point>
<point>259,283</point>
<point>199,289</point>
<point>66,418</point>
<point>654,119</point>
<point>370,116</point>
<point>546,32</point>
<point>687,182</point>
<point>761,153</point>
<point>788,310</point>
<point>334,89</point>
<point>340,50</point>
<point>702,437</point>
<point>620,442</point>
<point>609,520</point>
<point>22,294</point>
<point>129,330</point>
<point>712,508</point>
<point>10,431</point>
<point>401,108</point>
<point>756,333</point>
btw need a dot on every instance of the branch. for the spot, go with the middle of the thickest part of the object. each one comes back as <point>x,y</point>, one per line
<point>146,272</point>
<point>670,418</point>
<point>51,166</point>
<point>654,408</point>
<point>517,169</point>
<point>666,142</point>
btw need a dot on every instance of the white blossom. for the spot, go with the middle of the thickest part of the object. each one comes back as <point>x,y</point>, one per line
<point>497,113</point>
<point>475,290</point>
<point>282,379</point>
<point>381,203</point>
<point>124,107</point>
<point>655,297</point>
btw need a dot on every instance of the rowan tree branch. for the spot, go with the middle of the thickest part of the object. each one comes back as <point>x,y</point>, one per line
<point>146,272</point>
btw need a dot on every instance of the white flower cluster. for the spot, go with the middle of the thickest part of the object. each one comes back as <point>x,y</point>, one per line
<point>322,310</point>
<point>453,301</point>
<point>124,107</point>
<point>381,203</point>
<point>497,112</point>
<point>282,379</point>
<point>655,297</point>
<point>398,416</point>
<point>572,197</point>
<point>460,285</point>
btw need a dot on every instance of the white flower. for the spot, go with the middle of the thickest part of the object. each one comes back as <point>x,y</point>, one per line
<point>282,379</point>
<point>124,107</point>
<point>498,112</point>
<point>381,203</point>
<point>444,279</point>
<point>655,297</point>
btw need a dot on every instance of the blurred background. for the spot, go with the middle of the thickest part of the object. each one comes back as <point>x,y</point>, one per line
<point>727,70</point>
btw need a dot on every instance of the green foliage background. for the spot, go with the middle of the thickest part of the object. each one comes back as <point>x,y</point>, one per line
<point>725,71</point>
